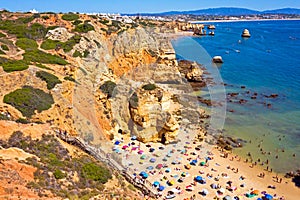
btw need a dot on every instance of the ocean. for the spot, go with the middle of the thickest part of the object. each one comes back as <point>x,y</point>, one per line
<point>266,63</point>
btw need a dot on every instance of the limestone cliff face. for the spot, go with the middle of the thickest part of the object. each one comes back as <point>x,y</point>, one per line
<point>152,117</point>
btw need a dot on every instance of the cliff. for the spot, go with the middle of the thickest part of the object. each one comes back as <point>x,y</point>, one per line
<point>88,77</point>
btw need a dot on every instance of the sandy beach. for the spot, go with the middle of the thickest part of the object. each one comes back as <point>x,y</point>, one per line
<point>231,175</point>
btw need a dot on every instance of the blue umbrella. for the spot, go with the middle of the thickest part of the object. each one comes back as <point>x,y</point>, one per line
<point>117,142</point>
<point>152,160</point>
<point>161,188</point>
<point>168,170</point>
<point>144,174</point>
<point>151,149</point>
<point>268,197</point>
<point>198,178</point>
<point>150,168</point>
<point>156,183</point>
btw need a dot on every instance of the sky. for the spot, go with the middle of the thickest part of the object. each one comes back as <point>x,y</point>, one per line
<point>140,6</point>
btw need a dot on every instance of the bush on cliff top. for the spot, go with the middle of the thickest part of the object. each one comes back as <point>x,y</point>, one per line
<point>84,28</point>
<point>50,79</point>
<point>70,17</point>
<point>29,99</point>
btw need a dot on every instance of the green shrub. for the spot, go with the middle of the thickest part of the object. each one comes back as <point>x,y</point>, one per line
<point>22,121</point>
<point>50,44</point>
<point>58,174</point>
<point>29,99</point>
<point>42,66</point>
<point>77,54</point>
<point>2,35</point>
<point>104,21</point>
<point>69,78</point>
<point>27,44</point>
<point>2,52</point>
<point>76,22</point>
<point>14,65</point>
<point>108,88</point>
<point>95,172</point>
<point>4,47</point>
<point>149,87</point>
<point>68,45</point>
<point>20,28</point>
<point>85,53</point>
<point>70,17</point>
<point>42,57</point>
<point>84,28</point>
<point>45,17</point>
<point>50,79</point>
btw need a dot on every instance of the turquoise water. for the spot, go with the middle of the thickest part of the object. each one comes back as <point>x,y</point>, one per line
<point>266,63</point>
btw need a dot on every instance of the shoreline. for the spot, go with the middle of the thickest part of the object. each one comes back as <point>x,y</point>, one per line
<point>241,20</point>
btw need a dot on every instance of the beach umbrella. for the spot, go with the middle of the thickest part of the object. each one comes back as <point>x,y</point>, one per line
<point>169,155</point>
<point>148,145</point>
<point>134,148</point>
<point>161,148</point>
<point>171,182</point>
<point>133,137</point>
<point>152,160</point>
<point>144,175</point>
<point>202,163</point>
<point>118,151</point>
<point>227,197</point>
<point>174,162</point>
<point>165,159</point>
<point>268,197</point>
<point>115,148</point>
<point>189,188</point>
<point>140,152</point>
<point>159,166</point>
<point>204,192</point>
<point>183,174</point>
<point>151,149</point>
<point>198,178</point>
<point>156,183</point>
<point>143,157</point>
<point>117,142</point>
<point>150,167</point>
<point>256,192</point>
<point>161,188</point>
<point>188,166</point>
<point>214,186</point>
<point>168,170</point>
<point>125,147</point>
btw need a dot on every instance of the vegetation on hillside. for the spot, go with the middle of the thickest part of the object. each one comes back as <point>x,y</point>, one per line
<point>13,65</point>
<point>70,17</point>
<point>149,86</point>
<point>108,88</point>
<point>28,100</point>
<point>42,57</point>
<point>65,176</point>
<point>50,79</point>
<point>66,46</point>
<point>84,28</point>
<point>27,44</point>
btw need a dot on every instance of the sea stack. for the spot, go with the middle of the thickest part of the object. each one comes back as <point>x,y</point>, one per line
<point>217,59</point>
<point>246,33</point>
